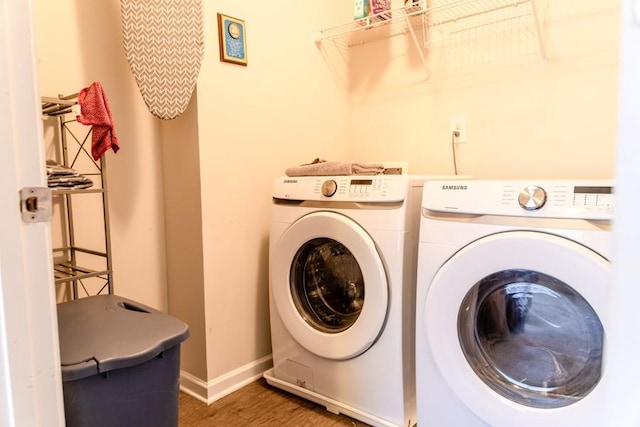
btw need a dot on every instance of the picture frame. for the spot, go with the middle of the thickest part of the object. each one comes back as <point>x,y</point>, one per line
<point>232,36</point>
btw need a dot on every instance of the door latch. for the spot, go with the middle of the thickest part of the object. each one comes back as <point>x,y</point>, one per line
<point>35,204</point>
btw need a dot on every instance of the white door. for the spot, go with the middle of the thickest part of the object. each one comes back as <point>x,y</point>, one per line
<point>515,322</point>
<point>30,381</point>
<point>329,285</point>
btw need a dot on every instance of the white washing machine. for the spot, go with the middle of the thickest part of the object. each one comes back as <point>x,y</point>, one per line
<point>511,302</point>
<point>342,262</point>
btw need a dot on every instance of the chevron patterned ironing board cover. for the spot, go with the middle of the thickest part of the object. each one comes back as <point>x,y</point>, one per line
<point>164,44</point>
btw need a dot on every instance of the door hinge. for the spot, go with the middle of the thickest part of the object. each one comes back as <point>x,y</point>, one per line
<point>35,204</point>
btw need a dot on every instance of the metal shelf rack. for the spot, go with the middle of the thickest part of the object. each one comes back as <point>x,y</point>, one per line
<point>88,271</point>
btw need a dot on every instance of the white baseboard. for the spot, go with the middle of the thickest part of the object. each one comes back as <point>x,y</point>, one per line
<point>209,392</point>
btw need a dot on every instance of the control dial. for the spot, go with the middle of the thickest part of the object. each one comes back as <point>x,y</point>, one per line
<point>329,188</point>
<point>532,197</point>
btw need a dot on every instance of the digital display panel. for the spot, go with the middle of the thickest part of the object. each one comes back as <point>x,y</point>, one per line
<point>592,190</point>
<point>361,181</point>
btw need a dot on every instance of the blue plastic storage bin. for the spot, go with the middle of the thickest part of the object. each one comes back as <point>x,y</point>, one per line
<point>120,363</point>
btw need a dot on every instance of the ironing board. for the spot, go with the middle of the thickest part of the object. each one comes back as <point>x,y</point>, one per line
<point>164,44</point>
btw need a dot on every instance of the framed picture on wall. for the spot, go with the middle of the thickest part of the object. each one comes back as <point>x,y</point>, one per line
<point>232,35</point>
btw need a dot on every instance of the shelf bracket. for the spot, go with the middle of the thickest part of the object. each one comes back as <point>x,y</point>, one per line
<point>536,18</point>
<point>418,45</point>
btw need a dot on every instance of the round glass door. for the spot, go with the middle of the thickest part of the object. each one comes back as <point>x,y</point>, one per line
<point>329,285</point>
<point>531,338</point>
<point>515,325</point>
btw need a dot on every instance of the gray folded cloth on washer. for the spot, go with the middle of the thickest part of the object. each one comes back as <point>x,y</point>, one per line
<point>321,167</point>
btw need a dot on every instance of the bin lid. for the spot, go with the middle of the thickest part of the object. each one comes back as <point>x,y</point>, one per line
<point>105,332</point>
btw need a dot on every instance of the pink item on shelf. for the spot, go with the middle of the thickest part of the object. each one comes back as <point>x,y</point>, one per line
<point>95,111</point>
<point>379,6</point>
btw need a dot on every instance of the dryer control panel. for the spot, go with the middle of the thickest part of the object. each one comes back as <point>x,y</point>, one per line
<point>352,188</point>
<point>580,199</point>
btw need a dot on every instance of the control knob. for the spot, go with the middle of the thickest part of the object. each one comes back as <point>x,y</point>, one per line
<point>532,197</point>
<point>329,188</point>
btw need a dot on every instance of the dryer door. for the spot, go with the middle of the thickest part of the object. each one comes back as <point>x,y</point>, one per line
<point>329,285</point>
<point>527,309</point>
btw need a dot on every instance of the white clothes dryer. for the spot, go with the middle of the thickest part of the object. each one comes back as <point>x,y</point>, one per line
<point>511,302</point>
<point>342,261</point>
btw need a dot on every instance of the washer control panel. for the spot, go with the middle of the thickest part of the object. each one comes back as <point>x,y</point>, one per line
<point>579,199</point>
<point>370,188</point>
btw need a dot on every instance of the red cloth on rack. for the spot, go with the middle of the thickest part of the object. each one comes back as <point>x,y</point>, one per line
<point>95,111</point>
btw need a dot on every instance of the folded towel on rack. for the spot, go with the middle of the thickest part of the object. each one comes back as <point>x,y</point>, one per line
<point>64,177</point>
<point>321,167</point>
<point>95,111</point>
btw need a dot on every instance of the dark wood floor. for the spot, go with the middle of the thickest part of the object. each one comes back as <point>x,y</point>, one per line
<point>259,404</point>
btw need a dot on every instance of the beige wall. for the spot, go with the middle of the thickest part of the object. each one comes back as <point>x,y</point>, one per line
<point>78,43</point>
<point>190,198</point>
<point>524,119</point>
<point>183,219</point>
<point>282,109</point>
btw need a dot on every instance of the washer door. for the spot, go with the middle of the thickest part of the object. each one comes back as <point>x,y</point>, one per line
<point>329,285</point>
<point>527,310</point>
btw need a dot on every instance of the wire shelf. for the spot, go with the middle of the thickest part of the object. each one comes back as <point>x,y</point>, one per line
<point>376,27</point>
<point>489,24</point>
<point>510,19</point>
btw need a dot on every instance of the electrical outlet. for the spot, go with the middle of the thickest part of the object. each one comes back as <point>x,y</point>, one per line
<point>459,124</point>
